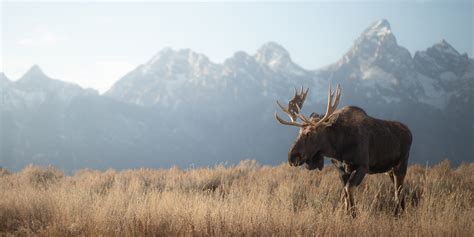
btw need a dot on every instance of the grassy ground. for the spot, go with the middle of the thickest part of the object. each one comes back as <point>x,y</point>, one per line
<point>247,199</point>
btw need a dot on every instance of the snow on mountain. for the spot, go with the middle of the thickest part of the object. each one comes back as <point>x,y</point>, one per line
<point>444,73</point>
<point>377,65</point>
<point>166,75</point>
<point>442,61</point>
<point>35,88</point>
<point>172,77</point>
<point>375,68</point>
<point>377,46</point>
<point>169,63</point>
<point>277,58</point>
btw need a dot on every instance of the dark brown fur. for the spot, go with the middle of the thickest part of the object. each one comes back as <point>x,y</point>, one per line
<point>357,144</point>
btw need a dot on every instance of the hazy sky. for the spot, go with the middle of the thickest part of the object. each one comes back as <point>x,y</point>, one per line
<point>94,44</point>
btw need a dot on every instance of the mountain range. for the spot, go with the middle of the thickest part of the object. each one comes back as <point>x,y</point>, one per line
<point>180,108</point>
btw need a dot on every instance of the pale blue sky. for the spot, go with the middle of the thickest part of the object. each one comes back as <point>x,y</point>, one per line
<point>94,44</point>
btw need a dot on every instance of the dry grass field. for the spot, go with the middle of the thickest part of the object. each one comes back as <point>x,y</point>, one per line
<point>245,200</point>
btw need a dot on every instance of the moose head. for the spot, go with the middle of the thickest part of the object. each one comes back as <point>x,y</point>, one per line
<point>312,142</point>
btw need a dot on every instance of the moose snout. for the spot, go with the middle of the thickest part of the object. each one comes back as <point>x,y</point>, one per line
<point>294,159</point>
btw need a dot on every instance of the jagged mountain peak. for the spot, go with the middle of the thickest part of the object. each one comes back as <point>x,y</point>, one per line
<point>169,61</point>
<point>442,61</point>
<point>35,88</point>
<point>378,34</point>
<point>272,48</point>
<point>36,80</point>
<point>273,55</point>
<point>376,48</point>
<point>184,55</point>
<point>380,28</point>
<point>444,47</point>
<point>34,73</point>
<point>374,41</point>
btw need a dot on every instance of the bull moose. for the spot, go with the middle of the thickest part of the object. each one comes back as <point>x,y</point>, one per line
<point>356,143</point>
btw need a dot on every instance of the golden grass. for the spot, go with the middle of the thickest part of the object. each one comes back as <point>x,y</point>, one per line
<point>247,199</point>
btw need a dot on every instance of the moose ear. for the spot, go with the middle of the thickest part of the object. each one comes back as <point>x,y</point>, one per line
<point>332,120</point>
<point>315,115</point>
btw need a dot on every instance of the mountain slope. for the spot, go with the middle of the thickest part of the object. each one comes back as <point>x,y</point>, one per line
<point>179,108</point>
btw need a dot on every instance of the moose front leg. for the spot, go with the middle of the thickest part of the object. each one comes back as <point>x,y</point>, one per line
<point>344,171</point>
<point>354,180</point>
<point>344,176</point>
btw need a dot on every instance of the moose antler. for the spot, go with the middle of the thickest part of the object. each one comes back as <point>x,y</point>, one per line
<point>332,105</point>
<point>295,104</point>
<point>294,108</point>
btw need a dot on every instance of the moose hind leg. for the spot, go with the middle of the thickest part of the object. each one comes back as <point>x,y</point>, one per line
<point>399,173</point>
